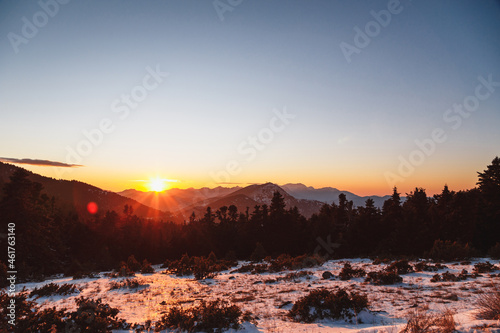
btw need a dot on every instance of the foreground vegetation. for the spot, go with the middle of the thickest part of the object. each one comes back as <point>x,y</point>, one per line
<point>298,297</point>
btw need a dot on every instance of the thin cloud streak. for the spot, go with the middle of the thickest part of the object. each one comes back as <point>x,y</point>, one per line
<point>38,162</point>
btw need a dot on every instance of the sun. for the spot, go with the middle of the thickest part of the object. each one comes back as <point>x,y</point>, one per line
<point>157,185</point>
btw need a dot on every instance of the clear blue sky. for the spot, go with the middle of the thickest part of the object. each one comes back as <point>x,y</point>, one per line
<point>227,79</point>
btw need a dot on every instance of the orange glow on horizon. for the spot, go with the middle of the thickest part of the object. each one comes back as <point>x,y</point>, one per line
<point>359,181</point>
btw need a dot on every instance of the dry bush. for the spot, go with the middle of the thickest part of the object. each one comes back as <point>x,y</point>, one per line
<point>400,267</point>
<point>428,267</point>
<point>323,303</point>
<point>214,316</point>
<point>127,283</point>
<point>450,277</point>
<point>383,278</point>
<point>484,267</point>
<point>489,305</point>
<point>421,321</point>
<point>201,267</point>
<point>54,289</point>
<point>445,321</point>
<point>348,272</point>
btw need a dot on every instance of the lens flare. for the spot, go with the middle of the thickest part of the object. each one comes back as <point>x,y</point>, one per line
<point>92,207</point>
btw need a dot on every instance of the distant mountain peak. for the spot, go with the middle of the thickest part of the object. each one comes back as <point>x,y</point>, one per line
<point>297,186</point>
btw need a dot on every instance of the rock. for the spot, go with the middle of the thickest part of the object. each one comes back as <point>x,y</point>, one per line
<point>327,275</point>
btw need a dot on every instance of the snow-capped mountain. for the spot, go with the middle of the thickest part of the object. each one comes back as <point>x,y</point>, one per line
<point>330,194</point>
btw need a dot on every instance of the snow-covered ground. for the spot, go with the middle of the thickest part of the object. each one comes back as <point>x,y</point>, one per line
<point>269,298</point>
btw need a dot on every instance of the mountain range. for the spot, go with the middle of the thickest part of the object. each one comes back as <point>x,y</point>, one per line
<point>331,195</point>
<point>184,202</point>
<point>178,204</point>
<point>75,196</point>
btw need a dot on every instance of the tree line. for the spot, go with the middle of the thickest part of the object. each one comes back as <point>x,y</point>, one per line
<point>50,241</point>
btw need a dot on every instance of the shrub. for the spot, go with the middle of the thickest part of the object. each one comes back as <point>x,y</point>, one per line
<point>445,322</point>
<point>146,267</point>
<point>27,317</point>
<point>176,318</point>
<point>54,289</point>
<point>203,269</point>
<point>286,262</point>
<point>127,283</point>
<point>449,251</point>
<point>378,261</point>
<point>436,278</point>
<point>421,321</point>
<point>489,305</point>
<point>182,266</point>
<point>214,316</point>
<point>326,304</point>
<point>94,316</point>
<point>282,263</point>
<point>166,264</point>
<point>383,277</point>
<point>494,252</point>
<point>200,267</point>
<point>295,276</point>
<point>484,267</point>
<point>450,277</point>
<point>400,267</point>
<point>91,316</point>
<point>122,271</point>
<point>424,266</point>
<point>348,272</point>
<point>252,268</point>
<point>133,264</point>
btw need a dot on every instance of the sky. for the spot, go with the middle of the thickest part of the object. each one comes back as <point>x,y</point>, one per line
<point>357,95</point>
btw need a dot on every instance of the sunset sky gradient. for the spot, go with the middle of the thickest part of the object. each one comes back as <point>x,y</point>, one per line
<point>271,71</point>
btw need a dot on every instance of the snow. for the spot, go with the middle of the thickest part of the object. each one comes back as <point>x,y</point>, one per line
<point>257,293</point>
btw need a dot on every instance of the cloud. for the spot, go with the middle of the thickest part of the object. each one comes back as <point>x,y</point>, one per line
<point>37,162</point>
